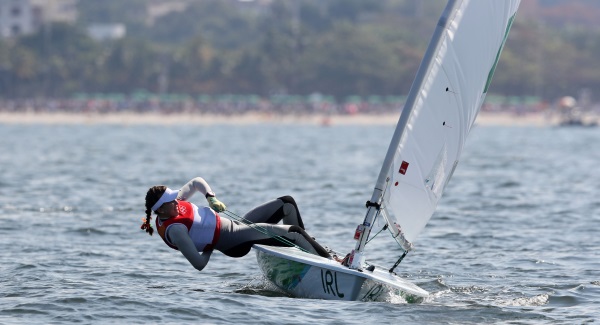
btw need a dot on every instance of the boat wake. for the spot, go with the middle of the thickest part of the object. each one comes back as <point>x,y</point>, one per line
<point>538,300</point>
<point>260,286</point>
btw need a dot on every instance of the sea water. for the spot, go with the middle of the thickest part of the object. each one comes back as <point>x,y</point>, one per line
<point>514,239</point>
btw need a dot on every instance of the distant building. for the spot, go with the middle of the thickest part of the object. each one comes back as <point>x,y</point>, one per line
<point>17,17</point>
<point>56,10</point>
<point>21,17</point>
<point>156,9</point>
<point>103,32</point>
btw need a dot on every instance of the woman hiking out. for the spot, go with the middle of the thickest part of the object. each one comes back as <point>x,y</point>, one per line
<point>196,231</point>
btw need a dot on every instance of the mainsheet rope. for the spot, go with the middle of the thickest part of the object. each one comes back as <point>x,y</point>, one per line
<point>262,230</point>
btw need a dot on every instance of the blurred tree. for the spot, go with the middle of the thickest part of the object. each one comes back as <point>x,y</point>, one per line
<point>313,16</point>
<point>351,10</point>
<point>219,22</point>
<point>346,61</point>
<point>192,67</point>
<point>246,77</point>
<point>131,64</point>
<point>280,47</point>
<point>64,57</point>
<point>341,47</point>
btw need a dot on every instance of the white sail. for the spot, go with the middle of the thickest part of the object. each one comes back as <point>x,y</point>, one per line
<point>441,107</point>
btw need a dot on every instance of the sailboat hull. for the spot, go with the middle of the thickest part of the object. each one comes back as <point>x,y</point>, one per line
<point>306,275</point>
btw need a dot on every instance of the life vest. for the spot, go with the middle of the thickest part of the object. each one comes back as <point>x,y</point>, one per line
<point>203,224</point>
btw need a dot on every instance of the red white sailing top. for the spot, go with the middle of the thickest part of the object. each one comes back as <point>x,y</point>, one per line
<point>203,224</point>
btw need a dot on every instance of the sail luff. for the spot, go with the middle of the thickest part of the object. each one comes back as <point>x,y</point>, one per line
<point>417,85</point>
<point>411,99</point>
<point>441,109</point>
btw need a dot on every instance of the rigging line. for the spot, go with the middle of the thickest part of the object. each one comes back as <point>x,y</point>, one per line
<point>263,230</point>
<point>398,261</point>
<point>378,205</point>
<point>381,207</point>
<point>373,237</point>
<point>257,227</point>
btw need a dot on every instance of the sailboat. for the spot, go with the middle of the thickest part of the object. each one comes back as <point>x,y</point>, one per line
<point>441,107</point>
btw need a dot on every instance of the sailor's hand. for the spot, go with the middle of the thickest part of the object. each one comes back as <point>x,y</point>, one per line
<point>215,204</point>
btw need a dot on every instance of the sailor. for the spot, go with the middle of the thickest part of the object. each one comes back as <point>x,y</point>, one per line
<point>198,230</point>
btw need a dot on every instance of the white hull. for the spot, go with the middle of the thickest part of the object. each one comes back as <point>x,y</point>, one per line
<point>306,275</point>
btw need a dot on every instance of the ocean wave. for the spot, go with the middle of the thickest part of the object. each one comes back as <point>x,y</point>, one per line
<point>538,300</point>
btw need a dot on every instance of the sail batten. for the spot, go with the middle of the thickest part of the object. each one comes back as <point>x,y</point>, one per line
<point>441,108</point>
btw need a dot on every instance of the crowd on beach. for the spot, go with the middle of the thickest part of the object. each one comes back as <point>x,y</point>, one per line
<point>194,106</point>
<point>236,105</point>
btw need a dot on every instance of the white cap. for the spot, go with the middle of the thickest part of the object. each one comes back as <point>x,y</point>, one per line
<point>168,196</point>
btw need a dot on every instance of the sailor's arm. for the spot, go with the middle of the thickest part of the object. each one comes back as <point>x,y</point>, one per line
<point>197,184</point>
<point>178,234</point>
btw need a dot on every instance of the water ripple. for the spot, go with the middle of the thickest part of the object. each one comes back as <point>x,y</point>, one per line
<point>514,239</point>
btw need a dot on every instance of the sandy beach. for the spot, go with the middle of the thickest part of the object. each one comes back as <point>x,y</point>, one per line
<point>484,118</point>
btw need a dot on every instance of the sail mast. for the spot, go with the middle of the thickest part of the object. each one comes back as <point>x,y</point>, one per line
<point>376,198</point>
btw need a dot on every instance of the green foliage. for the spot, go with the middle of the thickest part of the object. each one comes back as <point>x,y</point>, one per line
<point>347,61</point>
<point>333,47</point>
<point>223,24</point>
